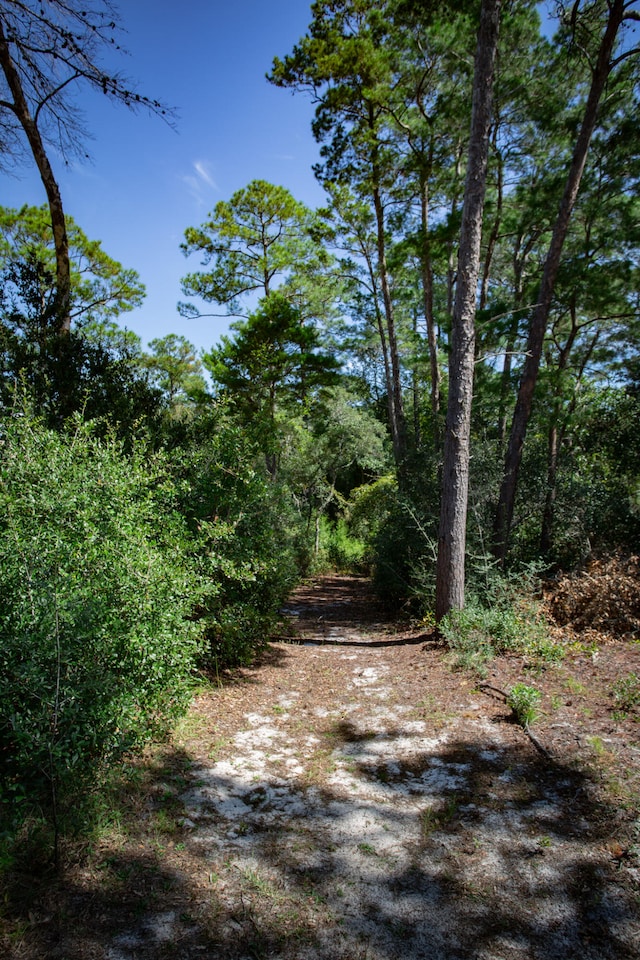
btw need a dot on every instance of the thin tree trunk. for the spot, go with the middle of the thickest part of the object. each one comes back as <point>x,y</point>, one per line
<point>427,289</point>
<point>451,264</point>
<point>493,236</point>
<point>546,534</point>
<point>519,262</point>
<point>450,579</point>
<point>415,384</point>
<point>58,223</point>
<point>556,434</point>
<point>522,412</point>
<point>388,379</point>
<point>399,434</point>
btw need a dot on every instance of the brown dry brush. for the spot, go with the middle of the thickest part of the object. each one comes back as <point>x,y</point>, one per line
<point>603,596</point>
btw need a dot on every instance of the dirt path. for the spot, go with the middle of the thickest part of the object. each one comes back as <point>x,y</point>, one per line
<point>353,797</point>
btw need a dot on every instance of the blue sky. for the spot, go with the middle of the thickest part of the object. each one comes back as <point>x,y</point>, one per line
<point>146,183</point>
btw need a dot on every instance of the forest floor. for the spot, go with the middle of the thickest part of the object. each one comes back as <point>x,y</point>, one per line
<point>353,796</point>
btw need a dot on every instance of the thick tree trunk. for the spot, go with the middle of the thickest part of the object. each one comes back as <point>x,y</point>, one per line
<point>450,579</point>
<point>522,412</point>
<point>58,224</point>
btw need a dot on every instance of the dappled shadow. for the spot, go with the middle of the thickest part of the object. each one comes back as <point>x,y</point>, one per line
<point>342,611</point>
<point>452,853</point>
<point>344,833</point>
<point>457,854</point>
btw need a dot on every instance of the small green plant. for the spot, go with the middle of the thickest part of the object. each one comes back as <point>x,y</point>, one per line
<point>546,650</point>
<point>575,686</point>
<point>597,745</point>
<point>367,849</point>
<point>434,818</point>
<point>479,632</point>
<point>468,639</point>
<point>524,702</point>
<point>626,694</point>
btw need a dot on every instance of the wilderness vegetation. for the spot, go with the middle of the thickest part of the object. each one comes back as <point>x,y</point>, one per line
<point>435,378</point>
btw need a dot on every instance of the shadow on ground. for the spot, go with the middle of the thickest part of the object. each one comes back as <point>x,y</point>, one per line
<point>454,855</point>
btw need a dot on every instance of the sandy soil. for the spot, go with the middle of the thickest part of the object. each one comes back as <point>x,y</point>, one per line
<point>353,796</point>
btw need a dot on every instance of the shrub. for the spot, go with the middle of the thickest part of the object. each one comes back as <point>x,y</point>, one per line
<point>344,552</point>
<point>467,634</point>
<point>96,650</point>
<point>524,701</point>
<point>626,694</point>
<point>478,632</point>
<point>244,539</point>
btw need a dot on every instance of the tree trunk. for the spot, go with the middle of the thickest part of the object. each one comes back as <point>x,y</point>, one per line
<point>415,385</point>
<point>455,477</point>
<point>399,427</point>
<point>495,232</point>
<point>388,379</point>
<point>451,260</point>
<point>522,412</point>
<point>427,290</point>
<point>58,224</point>
<point>546,534</point>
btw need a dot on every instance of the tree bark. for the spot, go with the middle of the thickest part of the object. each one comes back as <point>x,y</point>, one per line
<point>427,291</point>
<point>21,109</point>
<point>398,425</point>
<point>450,580</point>
<point>522,412</point>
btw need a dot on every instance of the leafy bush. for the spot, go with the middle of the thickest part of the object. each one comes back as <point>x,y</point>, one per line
<point>478,632</point>
<point>468,635</point>
<point>96,648</point>
<point>245,538</point>
<point>626,694</point>
<point>342,550</point>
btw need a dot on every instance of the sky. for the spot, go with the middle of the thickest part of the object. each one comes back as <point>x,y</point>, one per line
<point>145,182</point>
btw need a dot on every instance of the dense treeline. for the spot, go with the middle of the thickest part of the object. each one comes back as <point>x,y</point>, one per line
<point>158,506</point>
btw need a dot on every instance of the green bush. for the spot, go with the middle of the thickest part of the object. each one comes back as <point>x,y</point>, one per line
<point>96,646</point>
<point>626,694</point>
<point>478,632</point>
<point>467,633</point>
<point>524,702</point>
<point>343,551</point>
<point>245,538</point>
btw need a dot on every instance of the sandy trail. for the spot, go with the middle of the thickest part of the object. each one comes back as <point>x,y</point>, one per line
<point>354,798</point>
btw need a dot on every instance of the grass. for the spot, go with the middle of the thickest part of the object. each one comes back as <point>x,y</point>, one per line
<point>435,818</point>
<point>524,702</point>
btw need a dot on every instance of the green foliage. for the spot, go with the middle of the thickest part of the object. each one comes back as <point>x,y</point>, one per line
<point>245,536</point>
<point>101,288</point>
<point>503,620</point>
<point>369,507</point>
<point>343,551</point>
<point>96,373</point>
<point>467,633</point>
<point>524,702</point>
<point>270,369</point>
<point>176,369</point>
<point>626,694</point>
<point>255,241</point>
<point>96,645</point>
